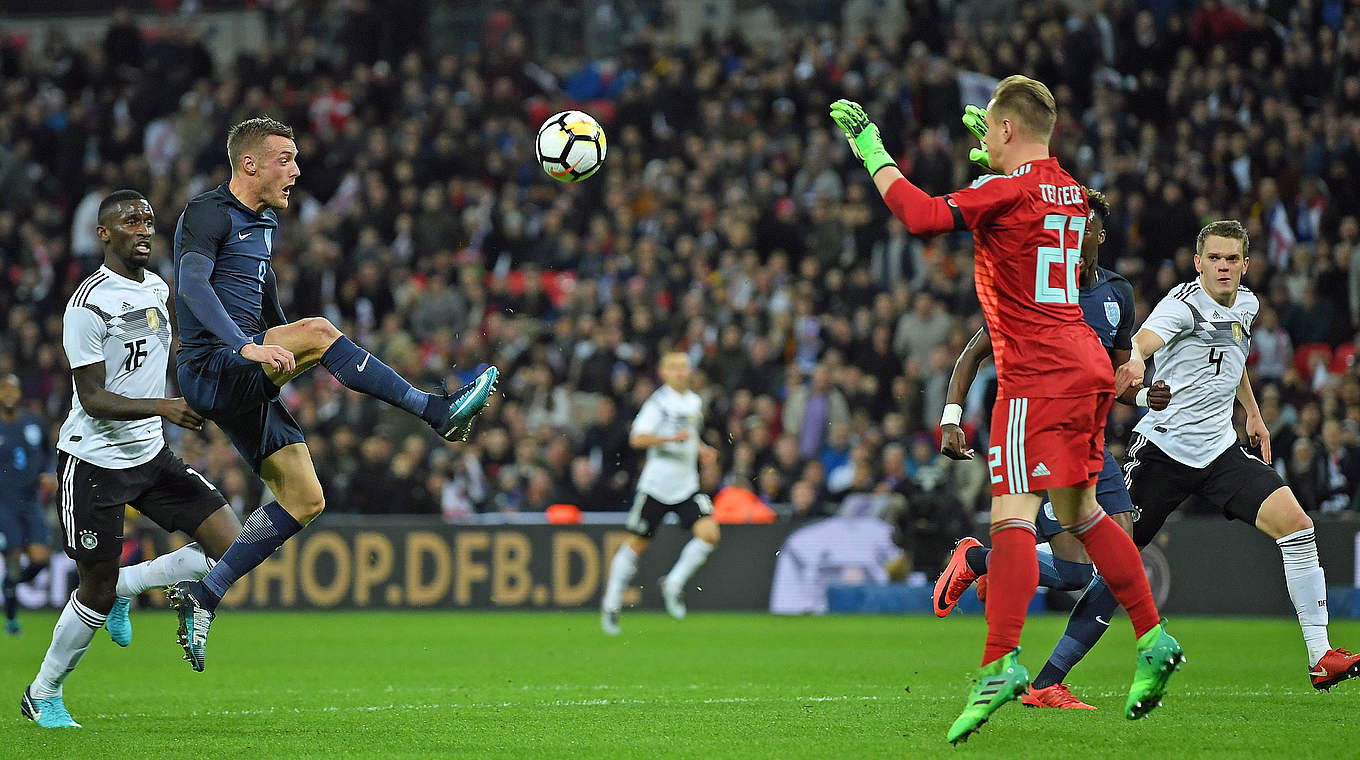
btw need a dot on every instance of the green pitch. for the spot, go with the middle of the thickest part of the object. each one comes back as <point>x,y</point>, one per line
<point>549,685</point>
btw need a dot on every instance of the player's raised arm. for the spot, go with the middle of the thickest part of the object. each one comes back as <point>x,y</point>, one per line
<point>922,213</point>
<point>953,443</point>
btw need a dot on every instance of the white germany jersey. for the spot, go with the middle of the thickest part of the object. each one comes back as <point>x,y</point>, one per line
<point>1205,354</point>
<point>126,325</point>
<point>671,473</point>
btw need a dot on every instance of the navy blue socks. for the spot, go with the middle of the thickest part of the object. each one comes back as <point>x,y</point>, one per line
<point>361,371</point>
<point>1088,622</point>
<point>265,531</point>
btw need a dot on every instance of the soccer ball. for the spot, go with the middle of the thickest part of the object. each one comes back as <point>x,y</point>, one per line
<point>570,146</point>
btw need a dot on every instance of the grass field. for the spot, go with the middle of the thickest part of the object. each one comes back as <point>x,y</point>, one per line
<point>549,685</point>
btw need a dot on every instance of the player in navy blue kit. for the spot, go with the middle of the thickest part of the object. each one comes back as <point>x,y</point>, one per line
<point>237,350</point>
<point>24,464</point>
<point>1106,300</point>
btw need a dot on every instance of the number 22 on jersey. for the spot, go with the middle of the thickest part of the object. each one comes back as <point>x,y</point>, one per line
<point>1060,255</point>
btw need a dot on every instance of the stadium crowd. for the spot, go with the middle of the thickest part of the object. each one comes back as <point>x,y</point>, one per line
<point>730,221</point>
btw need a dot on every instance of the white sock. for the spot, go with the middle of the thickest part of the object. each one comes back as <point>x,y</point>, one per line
<point>70,638</point>
<point>621,572</point>
<point>691,558</point>
<point>187,563</point>
<point>1307,590</point>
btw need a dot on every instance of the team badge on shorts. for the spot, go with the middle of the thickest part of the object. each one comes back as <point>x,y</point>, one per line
<point>88,539</point>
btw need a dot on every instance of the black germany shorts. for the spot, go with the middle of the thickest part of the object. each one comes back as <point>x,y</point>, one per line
<point>92,501</point>
<point>1235,482</point>
<point>646,515</point>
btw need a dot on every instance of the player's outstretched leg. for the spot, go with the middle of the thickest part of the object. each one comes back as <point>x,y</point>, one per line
<point>316,340</point>
<point>450,414</point>
<point>1088,622</point>
<point>998,682</point>
<point>185,563</point>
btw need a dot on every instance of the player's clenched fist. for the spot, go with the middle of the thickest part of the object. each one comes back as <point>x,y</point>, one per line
<point>278,357</point>
<point>1159,396</point>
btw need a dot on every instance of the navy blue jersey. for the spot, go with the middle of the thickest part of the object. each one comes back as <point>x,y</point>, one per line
<point>239,242</point>
<point>1107,306</point>
<point>23,457</point>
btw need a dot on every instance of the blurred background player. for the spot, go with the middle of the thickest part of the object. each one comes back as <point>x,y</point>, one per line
<point>237,350</point>
<point>1191,447</point>
<point>1107,306</point>
<point>24,472</point>
<point>668,426</point>
<point>112,450</point>
<point>1028,223</point>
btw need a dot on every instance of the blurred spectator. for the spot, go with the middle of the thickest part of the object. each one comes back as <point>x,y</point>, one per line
<point>1340,469</point>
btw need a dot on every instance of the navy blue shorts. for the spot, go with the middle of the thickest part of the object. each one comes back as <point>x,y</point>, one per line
<point>238,395</point>
<point>23,523</point>
<point>1111,494</point>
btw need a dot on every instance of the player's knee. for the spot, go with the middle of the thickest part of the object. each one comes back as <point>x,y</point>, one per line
<point>98,591</point>
<point>320,332</point>
<point>707,532</point>
<point>310,508</point>
<point>1281,515</point>
<point>1298,520</point>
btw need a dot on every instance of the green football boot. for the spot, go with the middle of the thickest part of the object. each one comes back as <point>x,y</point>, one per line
<point>998,682</point>
<point>1159,656</point>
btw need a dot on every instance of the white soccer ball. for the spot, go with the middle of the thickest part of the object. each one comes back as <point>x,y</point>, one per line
<point>570,146</point>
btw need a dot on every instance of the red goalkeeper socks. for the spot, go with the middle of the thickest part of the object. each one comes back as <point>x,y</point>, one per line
<point>1013,571</point>
<point>1114,553</point>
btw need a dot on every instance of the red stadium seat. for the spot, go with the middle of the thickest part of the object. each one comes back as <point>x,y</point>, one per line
<point>1303,357</point>
<point>737,506</point>
<point>563,514</point>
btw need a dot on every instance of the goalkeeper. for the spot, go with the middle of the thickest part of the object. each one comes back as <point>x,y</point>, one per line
<point>1055,383</point>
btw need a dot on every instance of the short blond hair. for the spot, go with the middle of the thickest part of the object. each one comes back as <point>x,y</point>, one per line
<point>250,134</point>
<point>1224,228</point>
<point>1027,102</point>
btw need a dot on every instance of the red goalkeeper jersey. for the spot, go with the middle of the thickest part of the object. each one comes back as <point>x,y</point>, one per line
<point>1027,231</point>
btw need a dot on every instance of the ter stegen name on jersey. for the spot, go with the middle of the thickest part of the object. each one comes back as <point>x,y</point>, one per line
<point>126,325</point>
<point>1206,351</point>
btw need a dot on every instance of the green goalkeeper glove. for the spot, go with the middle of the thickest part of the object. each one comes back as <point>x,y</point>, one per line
<point>862,135</point>
<point>976,120</point>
